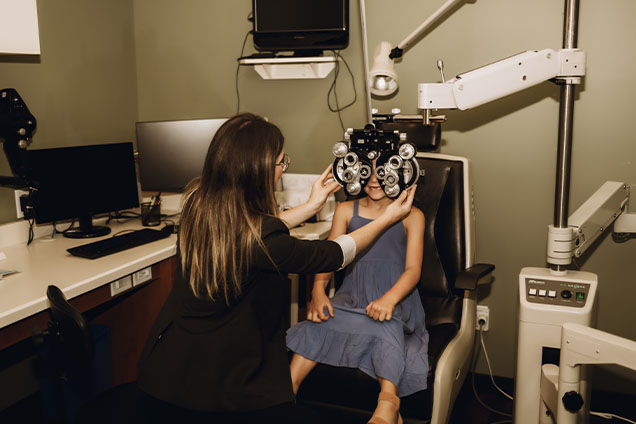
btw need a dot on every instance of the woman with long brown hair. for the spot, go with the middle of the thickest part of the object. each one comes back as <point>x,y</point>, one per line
<point>217,350</point>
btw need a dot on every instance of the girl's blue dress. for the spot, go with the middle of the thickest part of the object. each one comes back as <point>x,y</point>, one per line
<point>396,350</point>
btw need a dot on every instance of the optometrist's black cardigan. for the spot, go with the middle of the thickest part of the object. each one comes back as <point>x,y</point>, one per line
<point>208,356</point>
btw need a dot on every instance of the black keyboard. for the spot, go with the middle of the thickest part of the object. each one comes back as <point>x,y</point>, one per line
<point>115,244</point>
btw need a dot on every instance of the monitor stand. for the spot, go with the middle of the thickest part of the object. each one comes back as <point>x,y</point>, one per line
<point>87,229</point>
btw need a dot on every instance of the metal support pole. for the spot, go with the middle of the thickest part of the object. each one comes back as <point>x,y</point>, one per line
<point>365,60</point>
<point>566,114</point>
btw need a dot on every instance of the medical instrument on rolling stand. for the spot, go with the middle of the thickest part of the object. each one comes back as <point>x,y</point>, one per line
<point>557,310</point>
<point>556,305</point>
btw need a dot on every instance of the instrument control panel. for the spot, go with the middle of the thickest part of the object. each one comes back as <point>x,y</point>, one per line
<point>555,292</point>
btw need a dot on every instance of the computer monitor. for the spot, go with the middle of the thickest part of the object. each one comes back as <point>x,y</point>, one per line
<point>81,181</point>
<point>172,153</point>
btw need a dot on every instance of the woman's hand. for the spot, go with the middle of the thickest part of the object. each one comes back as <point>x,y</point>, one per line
<point>401,206</point>
<point>381,309</point>
<point>321,189</point>
<point>316,308</point>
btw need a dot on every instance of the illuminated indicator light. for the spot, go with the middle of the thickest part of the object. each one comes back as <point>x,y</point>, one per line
<point>580,296</point>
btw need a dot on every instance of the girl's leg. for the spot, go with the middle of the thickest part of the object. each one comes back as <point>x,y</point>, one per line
<point>300,368</point>
<point>388,409</point>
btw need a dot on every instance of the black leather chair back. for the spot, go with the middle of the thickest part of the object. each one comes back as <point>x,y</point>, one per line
<point>440,195</point>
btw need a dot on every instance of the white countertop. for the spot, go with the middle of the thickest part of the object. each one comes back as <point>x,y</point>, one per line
<point>45,261</point>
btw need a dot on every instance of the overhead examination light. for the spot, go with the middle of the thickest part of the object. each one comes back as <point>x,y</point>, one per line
<point>383,79</point>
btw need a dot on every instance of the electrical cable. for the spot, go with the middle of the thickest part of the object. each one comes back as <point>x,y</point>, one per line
<point>122,217</point>
<point>332,88</point>
<point>70,226</point>
<point>169,221</point>
<point>28,213</point>
<point>236,78</point>
<point>63,231</point>
<point>118,233</point>
<point>481,337</point>
<point>171,215</point>
<point>31,221</point>
<point>608,416</point>
<point>505,414</point>
<point>335,95</point>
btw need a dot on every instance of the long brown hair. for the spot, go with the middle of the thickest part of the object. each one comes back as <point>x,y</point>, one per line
<point>223,209</point>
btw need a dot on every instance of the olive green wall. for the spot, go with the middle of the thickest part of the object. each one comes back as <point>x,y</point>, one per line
<point>186,66</point>
<point>184,55</point>
<point>82,88</point>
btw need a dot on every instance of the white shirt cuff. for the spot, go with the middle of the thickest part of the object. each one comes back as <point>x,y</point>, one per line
<point>348,246</point>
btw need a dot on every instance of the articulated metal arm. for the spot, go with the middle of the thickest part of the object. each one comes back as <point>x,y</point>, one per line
<point>500,79</point>
<point>607,205</point>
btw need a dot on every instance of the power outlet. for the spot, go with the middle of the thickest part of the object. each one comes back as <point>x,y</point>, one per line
<point>483,314</point>
<point>18,207</point>
<point>121,285</point>
<point>142,276</point>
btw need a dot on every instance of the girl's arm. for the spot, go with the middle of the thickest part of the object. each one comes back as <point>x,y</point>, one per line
<point>382,308</point>
<point>319,299</point>
<point>320,191</point>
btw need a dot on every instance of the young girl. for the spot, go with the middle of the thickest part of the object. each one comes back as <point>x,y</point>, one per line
<point>375,321</point>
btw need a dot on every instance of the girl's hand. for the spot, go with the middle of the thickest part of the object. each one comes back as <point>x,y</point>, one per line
<point>322,188</point>
<point>316,308</point>
<point>381,309</point>
<point>401,206</point>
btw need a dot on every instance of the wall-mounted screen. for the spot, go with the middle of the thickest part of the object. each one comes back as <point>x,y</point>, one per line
<point>307,26</point>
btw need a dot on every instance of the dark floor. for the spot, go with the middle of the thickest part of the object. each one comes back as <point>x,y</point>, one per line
<point>467,409</point>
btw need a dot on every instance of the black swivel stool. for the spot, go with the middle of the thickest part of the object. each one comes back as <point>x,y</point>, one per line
<point>74,360</point>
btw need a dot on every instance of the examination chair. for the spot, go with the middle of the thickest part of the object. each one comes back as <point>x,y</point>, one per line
<point>447,288</point>
<point>75,369</point>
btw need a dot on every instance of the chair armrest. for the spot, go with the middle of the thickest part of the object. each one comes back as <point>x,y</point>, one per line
<point>471,277</point>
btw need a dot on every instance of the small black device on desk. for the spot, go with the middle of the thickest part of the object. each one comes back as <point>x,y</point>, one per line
<point>115,244</point>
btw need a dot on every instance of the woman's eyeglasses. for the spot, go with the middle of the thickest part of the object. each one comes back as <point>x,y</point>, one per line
<point>285,162</point>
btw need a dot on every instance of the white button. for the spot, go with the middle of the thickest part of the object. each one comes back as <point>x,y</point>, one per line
<point>542,292</point>
<point>532,292</point>
<point>552,293</point>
